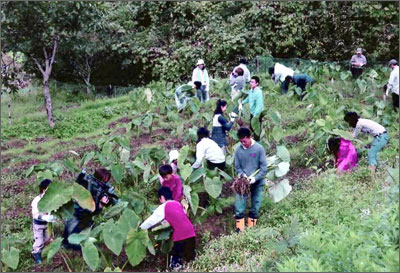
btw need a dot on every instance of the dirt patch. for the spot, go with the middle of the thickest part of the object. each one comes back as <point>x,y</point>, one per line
<point>121,120</point>
<point>16,144</point>
<point>215,225</point>
<point>227,190</point>
<point>22,165</point>
<point>41,139</point>
<point>16,187</point>
<point>120,131</point>
<point>17,213</point>
<point>56,262</point>
<point>5,159</point>
<point>294,139</point>
<point>299,174</point>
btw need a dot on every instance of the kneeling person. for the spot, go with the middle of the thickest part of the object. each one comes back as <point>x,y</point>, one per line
<point>300,80</point>
<point>183,235</point>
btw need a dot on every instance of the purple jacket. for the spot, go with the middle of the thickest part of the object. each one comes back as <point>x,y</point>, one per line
<point>347,156</point>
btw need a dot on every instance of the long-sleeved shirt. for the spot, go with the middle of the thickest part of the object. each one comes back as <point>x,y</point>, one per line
<point>393,84</point>
<point>36,215</point>
<point>281,72</point>
<point>237,83</point>
<point>256,101</point>
<point>175,185</point>
<point>173,212</point>
<point>201,75</point>
<point>369,127</point>
<point>220,127</point>
<point>361,60</point>
<point>209,149</point>
<point>249,160</point>
<point>347,156</point>
<point>298,79</point>
<point>246,72</point>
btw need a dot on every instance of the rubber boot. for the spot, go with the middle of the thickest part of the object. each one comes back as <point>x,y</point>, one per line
<point>239,225</point>
<point>37,257</point>
<point>251,222</point>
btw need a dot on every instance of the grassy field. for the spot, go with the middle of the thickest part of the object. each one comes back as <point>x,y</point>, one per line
<point>327,223</point>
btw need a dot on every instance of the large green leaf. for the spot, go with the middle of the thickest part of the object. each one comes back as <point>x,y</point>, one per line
<point>83,197</point>
<point>124,155</point>
<point>10,257</point>
<point>277,133</point>
<point>29,171</point>
<point>255,124</point>
<point>280,191</point>
<point>117,172</point>
<point>136,245</point>
<point>185,171</point>
<point>52,249</point>
<point>87,158</point>
<point>70,165</point>
<point>344,134</point>
<point>46,174</point>
<point>128,220</point>
<point>146,173</point>
<point>195,175</point>
<point>282,169</point>
<point>225,175</point>
<point>213,186</point>
<point>90,255</point>
<point>57,194</point>
<point>77,238</point>
<point>116,209</point>
<point>183,152</point>
<point>194,202</point>
<point>275,117</point>
<point>113,237</point>
<point>283,153</point>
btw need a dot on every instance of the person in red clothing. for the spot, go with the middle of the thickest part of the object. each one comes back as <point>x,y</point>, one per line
<point>172,181</point>
<point>183,234</point>
<point>344,152</point>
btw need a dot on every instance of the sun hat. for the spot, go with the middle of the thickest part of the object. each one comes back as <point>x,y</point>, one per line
<point>359,50</point>
<point>200,61</point>
<point>392,61</point>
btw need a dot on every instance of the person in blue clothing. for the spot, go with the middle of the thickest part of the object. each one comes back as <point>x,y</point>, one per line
<point>255,100</point>
<point>221,125</point>
<point>300,80</point>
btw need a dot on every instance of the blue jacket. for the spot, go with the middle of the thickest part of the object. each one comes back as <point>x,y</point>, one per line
<point>256,101</point>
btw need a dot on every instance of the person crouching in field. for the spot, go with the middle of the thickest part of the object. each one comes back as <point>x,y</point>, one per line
<point>183,234</point>
<point>367,126</point>
<point>344,152</point>
<point>40,220</point>
<point>300,80</point>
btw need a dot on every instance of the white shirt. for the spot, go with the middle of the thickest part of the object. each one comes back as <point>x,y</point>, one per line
<point>281,72</point>
<point>209,149</point>
<point>246,72</point>
<point>35,211</point>
<point>157,216</point>
<point>393,84</point>
<point>369,127</point>
<point>201,76</point>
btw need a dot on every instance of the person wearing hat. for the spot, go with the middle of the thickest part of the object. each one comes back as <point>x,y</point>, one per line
<point>201,81</point>
<point>357,63</point>
<point>393,84</point>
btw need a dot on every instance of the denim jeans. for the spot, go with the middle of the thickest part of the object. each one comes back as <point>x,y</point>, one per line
<point>256,192</point>
<point>377,145</point>
<point>202,94</point>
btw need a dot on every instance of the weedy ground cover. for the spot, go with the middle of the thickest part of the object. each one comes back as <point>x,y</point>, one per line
<point>131,135</point>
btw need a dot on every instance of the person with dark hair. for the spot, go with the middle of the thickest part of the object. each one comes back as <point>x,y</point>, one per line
<point>237,83</point>
<point>357,63</point>
<point>201,81</point>
<point>255,100</point>
<point>300,80</point>
<point>243,66</point>
<point>183,234</point>
<point>221,125</point>
<point>40,220</point>
<point>393,84</point>
<point>278,73</point>
<point>249,157</point>
<point>344,152</point>
<point>172,181</point>
<point>373,128</point>
<point>208,149</point>
<point>103,195</point>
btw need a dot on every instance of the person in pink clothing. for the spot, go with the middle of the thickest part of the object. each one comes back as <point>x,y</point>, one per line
<point>183,234</point>
<point>172,181</point>
<point>344,152</point>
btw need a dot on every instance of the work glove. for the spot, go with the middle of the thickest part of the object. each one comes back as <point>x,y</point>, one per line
<point>49,218</point>
<point>232,119</point>
<point>252,180</point>
<point>240,107</point>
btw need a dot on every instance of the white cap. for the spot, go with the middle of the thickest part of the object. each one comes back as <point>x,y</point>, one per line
<point>174,154</point>
<point>200,61</point>
<point>359,50</point>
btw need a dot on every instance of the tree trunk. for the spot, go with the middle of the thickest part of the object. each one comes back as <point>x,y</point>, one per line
<point>49,108</point>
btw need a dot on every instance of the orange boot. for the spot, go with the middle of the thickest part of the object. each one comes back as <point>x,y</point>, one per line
<point>251,222</point>
<point>239,225</point>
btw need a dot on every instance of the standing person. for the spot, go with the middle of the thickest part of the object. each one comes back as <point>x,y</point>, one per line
<point>367,126</point>
<point>208,149</point>
<point>344,152</point>
<point>201,80</point>
<point>393,84</point>
<point>40,220</point>
<point>221,125</point>
<point>172,181</point>
<point>249,157</point>
<point>246,72</point>
<point>183,234</point>
<point>278,73</point>
<point>357,63</point>
<point>255,100</point>
<point>237,83</point>
<point>300,80</point>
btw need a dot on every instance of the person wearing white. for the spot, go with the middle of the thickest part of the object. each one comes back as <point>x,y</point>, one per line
<point>201,80</point>
<point>208,149</point>
<point>393,84</point>
<point>279,73</point>
<point>246,72</point>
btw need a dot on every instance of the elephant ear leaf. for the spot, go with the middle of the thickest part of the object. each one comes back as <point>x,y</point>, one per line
<point>57,194</point>
<point>83,197</point>
<point>280,191</point>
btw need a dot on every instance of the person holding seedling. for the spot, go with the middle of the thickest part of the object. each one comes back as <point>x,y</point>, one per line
<point>344,152</point>
<point>183,234</point>
<point>250,163</point>
<point>40,220</point>
<point>201,81</point>
<point>357,63</point>
<point>279,72</point>
<point>221,125</point>
<point>300,80</point>
<point>393,84</point>
<point>255,100</point>
<point>373,128</point>
<point>208,149</point>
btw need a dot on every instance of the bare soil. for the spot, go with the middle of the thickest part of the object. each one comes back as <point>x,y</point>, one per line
<point>121,120</point>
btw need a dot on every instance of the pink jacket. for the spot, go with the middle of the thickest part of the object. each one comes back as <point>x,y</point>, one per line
<point>347,156</point>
